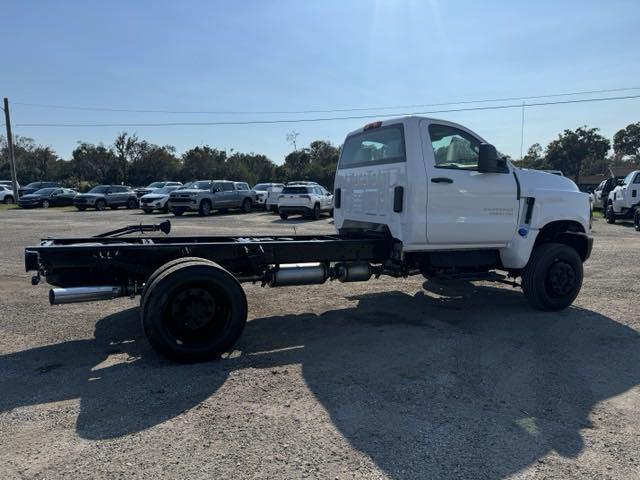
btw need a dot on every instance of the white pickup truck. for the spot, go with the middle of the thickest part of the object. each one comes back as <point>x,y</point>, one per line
<point>624,198</point>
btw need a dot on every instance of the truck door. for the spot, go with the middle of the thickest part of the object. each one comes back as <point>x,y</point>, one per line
<point>465,206</point>
<point>228,195</point>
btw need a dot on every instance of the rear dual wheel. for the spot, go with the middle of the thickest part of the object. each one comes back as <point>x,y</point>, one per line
<point>193,310</point>
<point>636,220</point>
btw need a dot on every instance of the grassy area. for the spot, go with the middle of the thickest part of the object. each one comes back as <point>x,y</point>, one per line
<point>4,207</point>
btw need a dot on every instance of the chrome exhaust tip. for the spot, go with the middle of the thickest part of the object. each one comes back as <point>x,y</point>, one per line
<point>59,296</point>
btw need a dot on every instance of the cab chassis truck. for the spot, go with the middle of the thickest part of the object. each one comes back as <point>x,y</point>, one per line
<point>412,196</point>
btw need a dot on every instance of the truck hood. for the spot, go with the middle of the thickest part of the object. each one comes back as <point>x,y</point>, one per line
<point>89,195</point>
<point>155,196</point>
<point>532,181</point>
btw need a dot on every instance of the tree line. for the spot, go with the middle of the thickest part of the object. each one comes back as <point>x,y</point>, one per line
<point>130,160</point>
<point>133,161</point>
<point>584,151</point>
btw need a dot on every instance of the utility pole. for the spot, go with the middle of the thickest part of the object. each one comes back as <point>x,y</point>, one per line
<point>522,132</point>
<point>12,156</point>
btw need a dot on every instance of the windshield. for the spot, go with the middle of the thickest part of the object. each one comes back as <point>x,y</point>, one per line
<point>186,185</point>
<point>262,186</point>
<point>99,189</point>
<point>45,191</point>
<point>629,178</point>
<point>156,185</point>
<point>33,185</point>
<point>168,189</point>
<point>202,185</point>
<point>374,147</point>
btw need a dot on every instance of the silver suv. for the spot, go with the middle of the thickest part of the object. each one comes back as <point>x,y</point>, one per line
<point>204,196</point>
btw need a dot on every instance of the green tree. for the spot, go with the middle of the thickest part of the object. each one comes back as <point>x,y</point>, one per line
<point>533,159</point>
<point>627,141</point>
<point>94,164</point>
<point>153,162</point>
<point>126,148</point>
<point>203,163</point>
<point>579,151</point>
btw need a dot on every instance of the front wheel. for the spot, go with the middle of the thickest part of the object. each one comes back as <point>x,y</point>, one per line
<point>553,276</point>
<point>147,211</point>
<point>177,213</point>
<point>8,200</point>
<point>284,216</point>
<point>101,205</point>
<point>205,208</point>
<point>131,204</point>
<point>315,214</point>
<point>45,204</point>
<point>246,205</point>
<point>195,311</point>
<point>610,214</point>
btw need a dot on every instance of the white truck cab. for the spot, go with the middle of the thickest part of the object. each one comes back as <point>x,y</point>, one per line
<point>455,206</point>
<point>624,198</point>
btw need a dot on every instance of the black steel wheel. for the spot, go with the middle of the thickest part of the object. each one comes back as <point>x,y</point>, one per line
<point>553,276</point>
<point>194,312</point>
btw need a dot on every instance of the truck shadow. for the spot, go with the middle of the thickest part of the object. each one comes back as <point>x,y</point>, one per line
<point>469,382</point>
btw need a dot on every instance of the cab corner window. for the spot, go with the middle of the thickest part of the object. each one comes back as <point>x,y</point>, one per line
<point>453,148</point>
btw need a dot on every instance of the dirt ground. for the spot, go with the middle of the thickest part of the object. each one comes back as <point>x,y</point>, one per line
<point>376,380</point>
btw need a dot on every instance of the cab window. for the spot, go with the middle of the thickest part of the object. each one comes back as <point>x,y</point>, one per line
<point>375,146</point>
<point>453,148</point>
<point>227,186</point>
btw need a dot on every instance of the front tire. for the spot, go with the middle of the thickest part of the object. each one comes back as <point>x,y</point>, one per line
<point>315,214</point>
<point>46,204</point>
<point>246,205</point>
<point>8,200</point>
<point>636,220</point>
<point>284,216</point>
<point>611,215</point>
<point>147,211</point>
<point>195,311</point>
<point>131,204</point>
<point>553,276</point>
<point>101,205</point>
<point>204,209</point>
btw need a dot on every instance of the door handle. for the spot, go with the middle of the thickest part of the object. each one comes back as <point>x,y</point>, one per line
<point>441,180</point>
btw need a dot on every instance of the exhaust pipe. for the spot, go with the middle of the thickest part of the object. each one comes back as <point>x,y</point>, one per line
<point>58,296</point>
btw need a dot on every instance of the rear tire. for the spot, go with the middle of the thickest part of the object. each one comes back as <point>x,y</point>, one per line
<point>45,204</point>
<point>611,215</point>
<point>636,220</point>
<point>553,277</point>
<point>315,214</point>
<point>177,213</point>
<point>147,211</point>
<point>284,216</point>
<point>246,205</point>
<point>82,209</point>
<point>8,200</point>
<point>101,205</point>
<point>195,311</point>
<point>205,208</point>
<point>131,204</point>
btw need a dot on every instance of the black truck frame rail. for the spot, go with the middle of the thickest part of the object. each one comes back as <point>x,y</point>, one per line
<point>99,261</point>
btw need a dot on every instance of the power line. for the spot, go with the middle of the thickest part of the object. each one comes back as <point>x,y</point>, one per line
<point>324,119</point>
<point>334,110</point>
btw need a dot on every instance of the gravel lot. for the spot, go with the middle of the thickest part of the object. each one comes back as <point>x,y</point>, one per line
<point>384,379</point>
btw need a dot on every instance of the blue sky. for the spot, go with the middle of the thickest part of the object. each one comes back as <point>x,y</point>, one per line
<point>296,55</point>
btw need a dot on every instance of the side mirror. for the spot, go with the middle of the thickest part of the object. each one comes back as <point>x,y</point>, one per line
<point>488,160</point>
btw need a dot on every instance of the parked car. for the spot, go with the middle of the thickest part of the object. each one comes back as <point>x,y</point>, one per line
<point>274,196</point>
<point>6,195</point>
<point>8,183</point>
<point>208,195</point>
<point>104,196</point>
<point>263,195</point>
<point>308,200</point>
<point>601,193</point>
<point>158,200</point>
<point>48,197</point>
<point>35,186</point>
<point>154,187</point>
<point>624,198</point>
